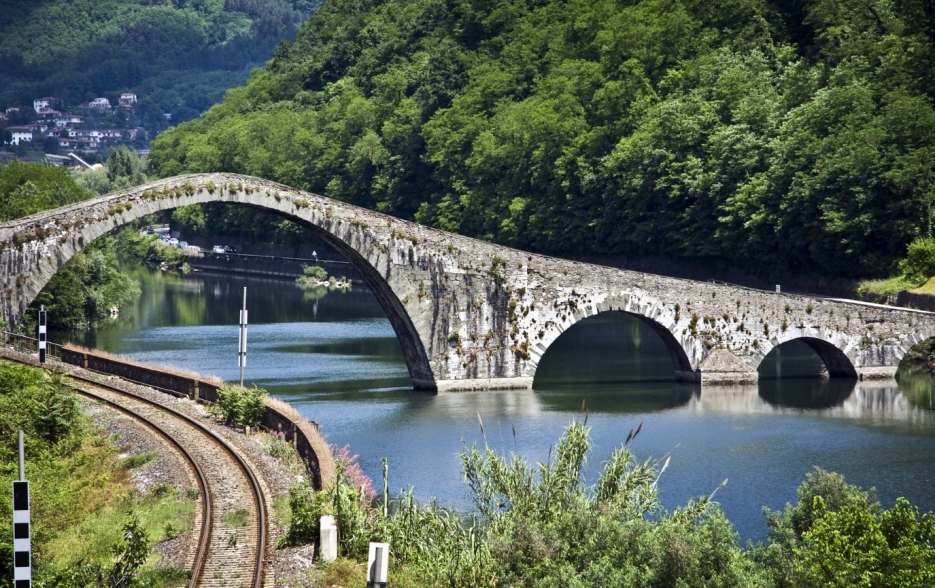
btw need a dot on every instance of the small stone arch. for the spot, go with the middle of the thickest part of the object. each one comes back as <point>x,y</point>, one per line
<point>836,361</point>
<point>681,363</point>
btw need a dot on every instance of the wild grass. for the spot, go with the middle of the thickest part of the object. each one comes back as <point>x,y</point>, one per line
<point>237,518</point>
<point>336,574</point>
<point>93,537</point>
<point>281,509</point>
<point>888,287</point>
<point>140,459</point>
<point>277,446</point>
<point>81,492</point>
<point>927,288</point>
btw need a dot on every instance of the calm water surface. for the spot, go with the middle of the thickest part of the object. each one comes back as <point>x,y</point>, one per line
<point>335,357</point>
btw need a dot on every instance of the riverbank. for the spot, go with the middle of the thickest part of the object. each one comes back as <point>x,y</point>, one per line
<point>268,265</point>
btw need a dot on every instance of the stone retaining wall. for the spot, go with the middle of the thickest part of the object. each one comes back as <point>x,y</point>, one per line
<point>919,301</point>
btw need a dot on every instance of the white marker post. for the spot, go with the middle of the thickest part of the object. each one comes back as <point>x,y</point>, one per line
<point>22,548</point>
<point>378,565</point>
<point>242,340</point>
<point>42,334</point>
<point>328,538</point>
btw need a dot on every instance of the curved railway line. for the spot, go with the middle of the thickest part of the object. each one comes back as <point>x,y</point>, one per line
<point>223,557</point>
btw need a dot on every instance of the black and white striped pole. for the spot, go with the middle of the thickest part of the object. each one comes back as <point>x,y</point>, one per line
<point>22,548</point>
<point>242,340</point>
<point>42,334</point>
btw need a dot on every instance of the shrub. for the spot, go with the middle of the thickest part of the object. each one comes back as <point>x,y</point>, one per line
<point>839,535</point>
<point>242,407</point>
<point>312,275</point>
<point>919,263</point>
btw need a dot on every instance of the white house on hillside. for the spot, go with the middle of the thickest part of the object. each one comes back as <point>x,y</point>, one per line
<point>68,119</point>
<point>20,134</point>
<point>40,103</point>
<point>127,99</point>
<point>47,113</point>
<point>102,103</point>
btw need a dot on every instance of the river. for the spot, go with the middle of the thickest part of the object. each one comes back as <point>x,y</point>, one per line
<point>335,357</point>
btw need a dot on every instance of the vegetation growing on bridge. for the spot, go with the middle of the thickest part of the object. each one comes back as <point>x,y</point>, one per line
<point>83,502</point>
<point>541,526</point>
<point>788,138</point>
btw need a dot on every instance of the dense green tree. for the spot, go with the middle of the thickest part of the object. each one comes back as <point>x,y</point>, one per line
<point>786,137</point>
<point>28,188</point>
<point>179,57</point>
<point>839,535</point>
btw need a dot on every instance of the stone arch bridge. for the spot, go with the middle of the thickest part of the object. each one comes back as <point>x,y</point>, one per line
<point>474,315</point>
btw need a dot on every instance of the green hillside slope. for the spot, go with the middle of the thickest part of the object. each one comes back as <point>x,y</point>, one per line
<point>788,137</point>
<point>178,56</point>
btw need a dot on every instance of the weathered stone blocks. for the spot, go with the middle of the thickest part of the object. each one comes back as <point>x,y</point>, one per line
<point>475,315</point>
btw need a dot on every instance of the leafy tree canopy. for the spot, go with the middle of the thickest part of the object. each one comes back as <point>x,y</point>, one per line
<point>178,56</point>
<point>787,137</point>
<point>28,188</point>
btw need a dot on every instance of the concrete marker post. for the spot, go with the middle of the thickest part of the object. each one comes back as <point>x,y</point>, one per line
<point>328,538</point>
<point>378,565</point>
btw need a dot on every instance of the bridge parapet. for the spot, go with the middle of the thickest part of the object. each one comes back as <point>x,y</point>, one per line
<point>471,314</point>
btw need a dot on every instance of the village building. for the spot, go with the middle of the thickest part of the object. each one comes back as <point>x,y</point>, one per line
<point>40,103</point>
<point>20,134</point>
<point>68,119</point>
<point>102,103</point>
<point>96,135</point>
<point>73,144</point>
<point>36,127</point>
<point>127,100</point>
<point>47,113</point>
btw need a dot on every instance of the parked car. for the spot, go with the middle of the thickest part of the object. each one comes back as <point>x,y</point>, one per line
<point>183,244</point>
<point>173,242</point>
<point>219,249</point>
<point>193,249</point>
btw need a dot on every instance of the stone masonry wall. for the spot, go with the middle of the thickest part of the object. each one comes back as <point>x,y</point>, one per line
<point>471,314</point>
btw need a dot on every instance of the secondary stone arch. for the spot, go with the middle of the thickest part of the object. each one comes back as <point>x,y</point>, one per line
<point>684,370</point>
<point>836,360</point>
<point>87,221</point>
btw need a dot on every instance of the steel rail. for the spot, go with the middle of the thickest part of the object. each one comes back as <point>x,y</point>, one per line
<point>202,481</point>
<point>255,486</point>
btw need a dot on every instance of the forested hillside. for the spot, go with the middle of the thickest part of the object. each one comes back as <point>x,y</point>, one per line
<point>178,56</point>
<point>789,137</point>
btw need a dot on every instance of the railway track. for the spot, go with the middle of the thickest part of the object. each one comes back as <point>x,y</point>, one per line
<point>232,543</point>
